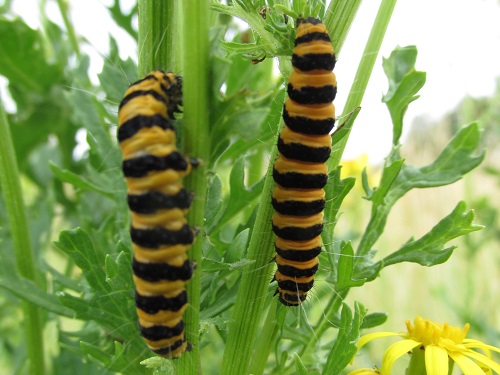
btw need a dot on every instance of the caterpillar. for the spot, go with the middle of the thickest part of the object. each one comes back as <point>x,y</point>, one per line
<point>300,172</point>
<point>153,168</point>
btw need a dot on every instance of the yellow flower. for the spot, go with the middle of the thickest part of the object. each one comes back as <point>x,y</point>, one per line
<point>439,343</point>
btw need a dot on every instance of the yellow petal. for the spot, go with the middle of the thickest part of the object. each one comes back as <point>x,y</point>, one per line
<point>395,351</point>
<point>468,366</point>
<point>484,360</point>
<point>364,371</point>
<point>436,360</point>
<point>372,336</point>
<point>471,343</point>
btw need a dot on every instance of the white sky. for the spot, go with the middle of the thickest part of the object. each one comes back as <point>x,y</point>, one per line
<point>458,43</point>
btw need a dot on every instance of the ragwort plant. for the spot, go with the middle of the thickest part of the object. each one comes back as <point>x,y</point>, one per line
<point>81,289</point>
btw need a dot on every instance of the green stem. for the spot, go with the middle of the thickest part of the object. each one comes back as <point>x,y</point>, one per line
<point>23,251</point>
<point>363,73</point>
<point>159,33</point>
<point>265,342</point>
<point>195,137</point>
<point>249,306</point>
<point>63,7</point>
<point>417,363</point>
<point>338,19</point>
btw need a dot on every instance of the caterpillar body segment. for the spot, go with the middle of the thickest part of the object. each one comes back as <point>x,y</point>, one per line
<point>153,169</point>
<point>300,172</point>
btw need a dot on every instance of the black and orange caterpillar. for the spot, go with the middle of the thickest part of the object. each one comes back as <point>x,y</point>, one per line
<point>300,171</point>
<point>153,169</point>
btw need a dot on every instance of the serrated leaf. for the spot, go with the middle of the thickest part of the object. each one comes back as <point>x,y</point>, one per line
<point>238,247</point>
<point>429,250</point>
<point>214,200</point>
<point>404,83</point>
<point>115,78</point>
<point>453,163</point>
<point>77,180</point>
<point>345,345</point>
<point>23,59</point>
<point>96,353</point>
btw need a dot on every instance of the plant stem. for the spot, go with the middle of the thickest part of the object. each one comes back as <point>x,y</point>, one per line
<point>364,72</point>
<point>417,362</point>
<point>23,251</point>
<point>195,137</point>
<point>159,32</point>
<point>63,8</point>
<point>249,306</point>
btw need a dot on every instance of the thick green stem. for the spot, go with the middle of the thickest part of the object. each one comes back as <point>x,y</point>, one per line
<point>417,363</point>
<point>159,34</point>
<point>195,137</point>
<point>249,306</point>
<point>23,252</point>
<point>265,342</point>
<point>364,72</point>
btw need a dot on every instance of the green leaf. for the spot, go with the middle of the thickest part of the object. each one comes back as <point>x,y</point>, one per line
<point>374,320</point>
<point>430,249</point>
<point>404,83</point>
<point>345,345</point>
<point>335,192</point>
<point>345,269</point>
<point>28,291</point>
<point>22,57</point>
<point>77,180</point>
<point>457,159</point>
<point>389,174</point>
<point>299,365</point>
<point>240,196</point>
<point>76,243</point>
<point>115,78</point>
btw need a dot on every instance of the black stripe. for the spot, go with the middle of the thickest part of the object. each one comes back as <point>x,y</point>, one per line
<point>305,125</point>
<point>294,180</point>
<point>292,286</point>
<point>299,208</point>
<point>160,332</point>
<point>299,255</point>
<point>312,95</point>
<point>309,37</point>
<point>298,234</point>
<point>142,165</point>
<point>313,61</point>
<point>153,201</point>
<point>154,272</point>
<point>300,152</point>
<point>167,350</point>
<point>311,20</point>
<point>129,128</point>
<point>291,271</point>
<point>152,305</point>
<point>135,94</point>
<point>146,78</point>
<point>157,237</point>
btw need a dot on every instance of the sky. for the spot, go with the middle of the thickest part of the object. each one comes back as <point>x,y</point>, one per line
<point>458,46</point>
